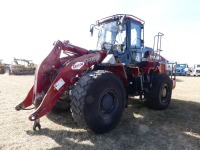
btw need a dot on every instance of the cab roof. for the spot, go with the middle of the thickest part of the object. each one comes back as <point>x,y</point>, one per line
<point>118,16</point>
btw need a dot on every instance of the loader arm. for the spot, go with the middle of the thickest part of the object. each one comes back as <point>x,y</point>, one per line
<point>66,77</point>
<point>45,70</point>
<point>55,75</point>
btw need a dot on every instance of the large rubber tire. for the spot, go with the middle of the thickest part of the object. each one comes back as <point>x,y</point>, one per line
<point>62,105</point>
<point>98,101</point>
<point>159,95</point>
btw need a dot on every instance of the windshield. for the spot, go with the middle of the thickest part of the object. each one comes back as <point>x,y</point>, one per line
<point>110,34</point>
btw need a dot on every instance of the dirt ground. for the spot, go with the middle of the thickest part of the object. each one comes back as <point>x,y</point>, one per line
<point>177,127</point>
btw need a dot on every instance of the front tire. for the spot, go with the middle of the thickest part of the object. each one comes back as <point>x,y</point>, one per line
<point>159,94</point>
<point>62,105</point>
<point>98,101</point>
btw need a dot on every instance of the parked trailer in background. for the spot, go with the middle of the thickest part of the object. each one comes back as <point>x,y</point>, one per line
<point>171,68</point>
<point>22,67</point>
<point>196,70</point>
<point>2,67</point>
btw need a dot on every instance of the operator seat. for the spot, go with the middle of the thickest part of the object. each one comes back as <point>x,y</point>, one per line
<point>146,52</point>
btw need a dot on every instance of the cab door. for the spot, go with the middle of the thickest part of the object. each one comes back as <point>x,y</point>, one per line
<point>135,43</point>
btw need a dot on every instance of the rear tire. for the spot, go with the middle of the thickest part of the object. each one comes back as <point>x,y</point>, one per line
<point>98,101</point>
<point>159,95</point>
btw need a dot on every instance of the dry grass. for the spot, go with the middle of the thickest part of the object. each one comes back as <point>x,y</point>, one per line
<point>178,127</point>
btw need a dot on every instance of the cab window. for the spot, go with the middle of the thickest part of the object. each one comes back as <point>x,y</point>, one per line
<point>135,35</point>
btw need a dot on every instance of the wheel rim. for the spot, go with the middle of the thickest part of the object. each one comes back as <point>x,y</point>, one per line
<point>107,102</point>
<point>164,93</point>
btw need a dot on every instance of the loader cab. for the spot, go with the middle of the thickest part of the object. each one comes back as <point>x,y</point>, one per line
<point>123,36</point>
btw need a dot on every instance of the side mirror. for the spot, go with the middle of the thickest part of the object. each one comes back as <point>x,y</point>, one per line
<point>121,23</point>
<point>92,29</point>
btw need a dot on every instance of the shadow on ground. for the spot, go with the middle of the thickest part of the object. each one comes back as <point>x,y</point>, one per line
<point>177,127</point>
<point>179,80</point>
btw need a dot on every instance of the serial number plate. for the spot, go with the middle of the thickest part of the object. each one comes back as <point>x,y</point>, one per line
<point>59,84</point>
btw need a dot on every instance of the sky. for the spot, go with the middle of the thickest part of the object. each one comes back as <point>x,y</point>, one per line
<point>28,28</point>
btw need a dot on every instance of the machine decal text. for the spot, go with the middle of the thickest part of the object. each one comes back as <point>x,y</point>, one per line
<point>92,59</point>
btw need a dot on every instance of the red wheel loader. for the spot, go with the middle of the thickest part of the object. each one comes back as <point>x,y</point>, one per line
<point>97,83</point>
